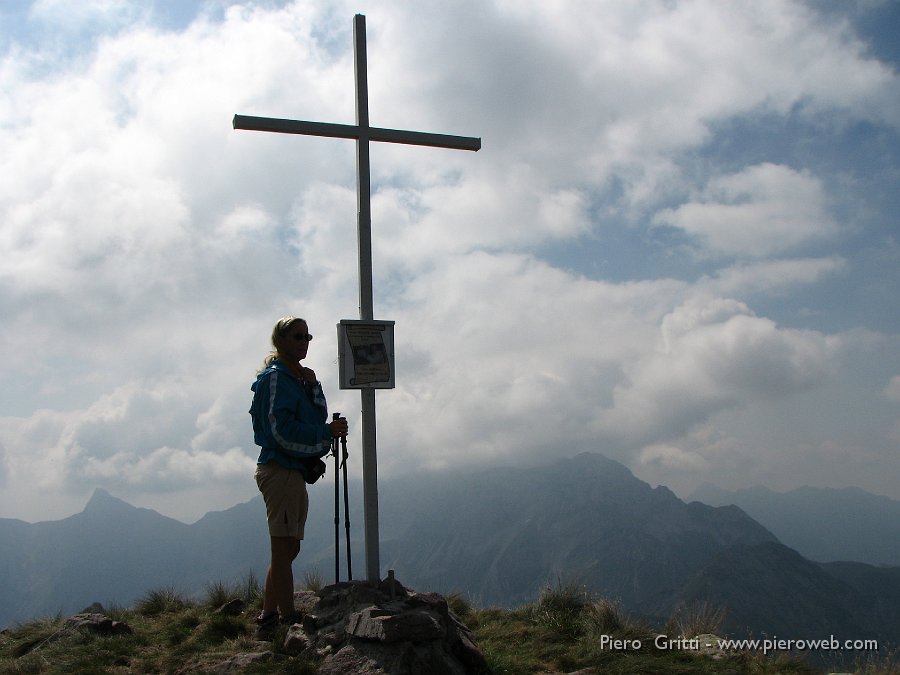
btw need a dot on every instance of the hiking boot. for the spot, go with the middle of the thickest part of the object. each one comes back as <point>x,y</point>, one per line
<point>266,627</point>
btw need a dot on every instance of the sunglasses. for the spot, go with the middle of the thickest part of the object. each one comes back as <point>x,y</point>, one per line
<point>300,337</point>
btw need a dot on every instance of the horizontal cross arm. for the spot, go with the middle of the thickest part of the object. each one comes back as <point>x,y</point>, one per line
<point>284,126</point>
<point>422,138</point>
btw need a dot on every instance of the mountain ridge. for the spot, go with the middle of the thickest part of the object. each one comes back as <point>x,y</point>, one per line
<point>614,525</point>
<point>499,536</point>
<point>824,524</point>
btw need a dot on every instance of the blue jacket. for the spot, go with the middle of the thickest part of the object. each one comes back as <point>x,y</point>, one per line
<point>290,418</point>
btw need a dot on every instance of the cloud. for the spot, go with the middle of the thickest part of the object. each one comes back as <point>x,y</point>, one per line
<point>143,437</point>
<point>693,454</point>
<point>763,210</point>
<point>712,354</point>
<point>656,79</point>
<point>497,345</point>
<point>170,467</point>
<point>892,390</point>
<point>147,247</point>
<point>771,277</point>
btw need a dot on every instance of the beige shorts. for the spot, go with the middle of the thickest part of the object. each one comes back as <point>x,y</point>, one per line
<point>287,502</point>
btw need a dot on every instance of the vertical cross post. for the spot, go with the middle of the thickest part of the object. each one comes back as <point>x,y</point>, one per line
<point>363,133</point>
<point>366,304</point>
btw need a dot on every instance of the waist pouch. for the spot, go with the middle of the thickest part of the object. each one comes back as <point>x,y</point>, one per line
<point>314,469</point>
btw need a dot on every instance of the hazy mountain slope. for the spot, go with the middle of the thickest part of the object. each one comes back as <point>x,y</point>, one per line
<point>877,589</point>
<point>823,524</point>
<point>97,554</point>
<point>14,559</point>
<point>111,552</point>
<point>770,589</point>
<point>503,534</point>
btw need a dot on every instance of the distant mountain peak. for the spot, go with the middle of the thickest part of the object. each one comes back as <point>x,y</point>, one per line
<point>102,500</point>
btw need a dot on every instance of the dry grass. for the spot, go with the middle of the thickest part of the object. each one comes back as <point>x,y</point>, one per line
<point>564,630</point>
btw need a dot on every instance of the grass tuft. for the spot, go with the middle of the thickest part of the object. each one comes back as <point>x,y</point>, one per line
<point>313,581</point>
<point>248,590</point>
<point>459,605</point>
<point>696,619</point>
<point>604,617</point>
<point>559,609</point>
<point>219,592</point>
<point>162,601</point>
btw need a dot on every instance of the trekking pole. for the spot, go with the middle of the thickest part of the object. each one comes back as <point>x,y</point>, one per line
<point>346,508</point>
<point>337,508</point>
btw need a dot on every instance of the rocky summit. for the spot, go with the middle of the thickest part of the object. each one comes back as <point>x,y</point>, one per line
<point>356,628</point>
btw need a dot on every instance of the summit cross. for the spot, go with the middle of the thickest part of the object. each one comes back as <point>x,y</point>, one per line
<point>362,133</point>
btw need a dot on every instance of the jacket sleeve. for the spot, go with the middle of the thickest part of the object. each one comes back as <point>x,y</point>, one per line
<point>275,406</point>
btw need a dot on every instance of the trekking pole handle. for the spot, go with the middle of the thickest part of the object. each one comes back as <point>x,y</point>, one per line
<point>334,439</point>
<point>335,417</point>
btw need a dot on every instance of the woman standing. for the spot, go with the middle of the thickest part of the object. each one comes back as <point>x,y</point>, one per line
<point>290,424</point>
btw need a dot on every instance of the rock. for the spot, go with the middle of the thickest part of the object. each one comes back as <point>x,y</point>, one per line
<point>296,640</point>
<point>356,628</point>
<point>93,608</point>
<point>393,588</point>
<point>468,653</point>
<point>707,644</point>
<point>239,662</point>
<point>99,623</point>
<point>377,658</point>
<point>305,601</point>
<point>348,660</point>
<point>374,623</point>
<point>233,607</point>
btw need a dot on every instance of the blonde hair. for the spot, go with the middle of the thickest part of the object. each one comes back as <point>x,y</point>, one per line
<point>279,330</point>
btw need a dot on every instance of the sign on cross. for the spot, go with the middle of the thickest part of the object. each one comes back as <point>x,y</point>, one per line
<point>363,133</point>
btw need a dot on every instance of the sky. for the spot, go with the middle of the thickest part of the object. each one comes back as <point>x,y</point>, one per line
<point>678,245</point>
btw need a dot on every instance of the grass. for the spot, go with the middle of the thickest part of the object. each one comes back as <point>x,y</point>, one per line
<point>564,630</point>
<point>567,630</point>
